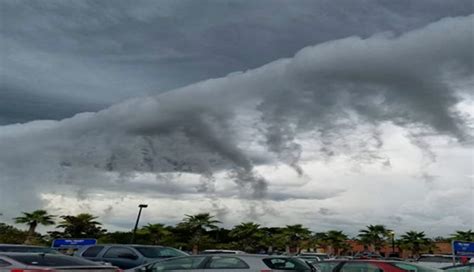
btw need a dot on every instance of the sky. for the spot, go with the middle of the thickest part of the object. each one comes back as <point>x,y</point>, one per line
<point>332,114</point>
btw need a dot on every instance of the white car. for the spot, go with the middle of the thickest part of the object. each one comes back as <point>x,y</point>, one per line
<point>13,261</point>
<point>227,263</point>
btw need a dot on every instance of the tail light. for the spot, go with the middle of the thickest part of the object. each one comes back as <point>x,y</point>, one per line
<point>266,270</point>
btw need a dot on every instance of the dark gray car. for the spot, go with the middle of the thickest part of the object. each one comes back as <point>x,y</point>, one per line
<point>26,249</point>
<point>127,256</point>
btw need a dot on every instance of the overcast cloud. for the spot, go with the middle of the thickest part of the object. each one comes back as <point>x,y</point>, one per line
<point>358,102</point>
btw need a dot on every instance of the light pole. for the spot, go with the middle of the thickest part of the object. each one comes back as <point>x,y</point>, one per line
<point>141,206</point>
<point>392,234</point>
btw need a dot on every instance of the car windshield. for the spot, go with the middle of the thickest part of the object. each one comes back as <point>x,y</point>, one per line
<point>27,249</point>
<point>50,260</point>
<point>160,252</point>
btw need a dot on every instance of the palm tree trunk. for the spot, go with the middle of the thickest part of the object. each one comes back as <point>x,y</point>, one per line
<point>31,234</point>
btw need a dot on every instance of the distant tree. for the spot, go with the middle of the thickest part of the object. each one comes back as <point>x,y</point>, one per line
<point>463,236</point>
<point>198,225</point>
<point>414,241</point>
<point>337,240</point>
<point>248,236</point>
<point>319,239</point>
<point>82,225</point>
<point>11,235</point>
<point>33,220</point>
<point>294,234</point>
<point>441,239</point>
<point>116,237</point>
<point>156,233</point>
<point>221,238</point>
<point>273,239</point>
<point>375,236</point>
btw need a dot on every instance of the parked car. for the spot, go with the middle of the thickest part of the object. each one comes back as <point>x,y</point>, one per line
<point>227,263</point>
<point>460,268</point>
<point>221,251</point>
<point>309,259</point>
<point>37,262</point>
<point>436,260</point>
<point>368,255</point>
<point>371,265</point>
<point>26,248</point>
<point>320,256</point>
<point>326,265</point>
<point>127,256</point>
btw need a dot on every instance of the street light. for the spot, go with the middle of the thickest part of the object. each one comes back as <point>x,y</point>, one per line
<point>392,234</point>
<point>141,206</point>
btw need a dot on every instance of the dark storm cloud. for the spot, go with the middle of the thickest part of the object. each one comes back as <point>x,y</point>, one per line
<point>338,92</point>
<point>80,55</point>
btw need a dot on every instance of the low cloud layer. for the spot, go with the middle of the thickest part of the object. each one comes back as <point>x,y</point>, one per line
<point>88,55</point>
<point>329,101</point>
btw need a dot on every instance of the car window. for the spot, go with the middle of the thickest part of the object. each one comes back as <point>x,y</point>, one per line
<point>326,266</point>
<point>50,260</point>
<point>92,251</point>
<point>191,262</point>
<point>160,252</point>
<point>226,263</point>
<point>118,252</point>
<point>360,267</point>
<point>286,264</point>
<point>4,263</point>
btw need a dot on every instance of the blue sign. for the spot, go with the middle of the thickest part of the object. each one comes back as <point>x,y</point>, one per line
<point>73,243</point>
<point>463,248</point>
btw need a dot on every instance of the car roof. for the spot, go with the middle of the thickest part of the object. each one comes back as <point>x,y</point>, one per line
<point>127,245</point>
<point>16,245</point>
<point>238,255</point>
<point>223,250</point>
<point>7,254</point>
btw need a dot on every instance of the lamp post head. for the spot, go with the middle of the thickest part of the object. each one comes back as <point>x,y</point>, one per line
<point>143,206</point>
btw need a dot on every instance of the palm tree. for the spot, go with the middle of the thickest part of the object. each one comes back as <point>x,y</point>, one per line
<point>414,241</point>
<point>33,219</point>
<point>375,236</point>
<point>273,238</point>
<point>198,225</point>
<point>82,225</point>
<point>337,240</point>
<point>467,236</point>
<point>294,234</point>
<point>319,239</point>
<point>155,232</point>
<point>248,236</point>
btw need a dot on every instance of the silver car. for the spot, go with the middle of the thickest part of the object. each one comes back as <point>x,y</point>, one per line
<point>24,262</point>
<point>227,263</point>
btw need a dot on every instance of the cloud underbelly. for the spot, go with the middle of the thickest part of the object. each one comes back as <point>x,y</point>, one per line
<point>326,101</point>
